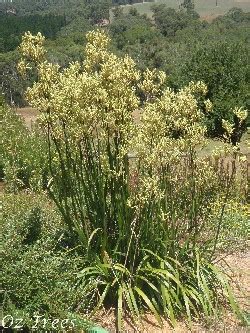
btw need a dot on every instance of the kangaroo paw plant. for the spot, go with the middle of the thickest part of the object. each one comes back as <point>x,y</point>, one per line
<point>136,195</point>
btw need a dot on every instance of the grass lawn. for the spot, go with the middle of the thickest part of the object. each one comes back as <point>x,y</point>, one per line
<point>206,8</point>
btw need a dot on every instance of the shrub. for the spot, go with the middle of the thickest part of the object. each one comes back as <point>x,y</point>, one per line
<point>22,152</point>
<point>39,265</point>
<point>136,195</point>
<point>221,65</point>
<point>234,227</point>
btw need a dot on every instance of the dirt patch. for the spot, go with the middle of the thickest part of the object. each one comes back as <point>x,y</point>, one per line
<point>238,267</point>
<point>28,114</point>
<point>209,18</point>
<point>2,185</point>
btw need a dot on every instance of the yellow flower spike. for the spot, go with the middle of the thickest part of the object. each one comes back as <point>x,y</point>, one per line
<point>22,67</point>
<point>240,113</point>
<point>32,47</point>
<point>152,83</point>
<point>228,127</point>
<point>208,105</point>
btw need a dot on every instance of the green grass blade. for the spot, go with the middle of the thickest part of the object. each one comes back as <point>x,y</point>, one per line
<point>186,302</point>
<point>228,292</point>
<point>121,268</point>
<point>168,304</point>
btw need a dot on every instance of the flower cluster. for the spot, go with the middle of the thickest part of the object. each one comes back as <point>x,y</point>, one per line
<point>88,109</point>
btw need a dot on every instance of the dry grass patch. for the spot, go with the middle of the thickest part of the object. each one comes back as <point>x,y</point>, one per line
<point>29,115</point>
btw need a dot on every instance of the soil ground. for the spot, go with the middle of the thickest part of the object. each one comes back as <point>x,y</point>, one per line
<point>28,114</point>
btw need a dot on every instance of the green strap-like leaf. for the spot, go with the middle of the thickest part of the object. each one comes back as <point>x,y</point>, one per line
<point>186,302</point>
<point>148,282</point>
<point>92,235</point>
<point>168,308</point>
<point>89,271</point>
<point>102,298</point>
<point>133,299</point>
<point>149,304</point>
<point>119,309</point>
<point>121,268</point>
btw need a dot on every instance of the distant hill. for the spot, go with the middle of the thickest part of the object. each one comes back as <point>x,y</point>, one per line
<point>206,8</point>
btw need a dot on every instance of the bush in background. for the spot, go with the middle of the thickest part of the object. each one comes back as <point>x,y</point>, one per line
<point>39,264</point>
<point>222,66</point>
<point>234,227</point>
<point>22,153</point>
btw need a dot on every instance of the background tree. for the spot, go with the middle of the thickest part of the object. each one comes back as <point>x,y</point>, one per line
<point>169,21</point>
<point>11,84</point>
<point>99,10</point>
<point>188,5</point>
<point>130,29</point>
<point>13,27</point>
<point>223,66</point>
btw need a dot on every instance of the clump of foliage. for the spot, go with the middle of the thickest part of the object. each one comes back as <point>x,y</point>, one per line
<point>39,265</point>
<point>225,73</point>
<point>234,227</point>
<point>188,5</point>
<point>137,36</point>
<point>129,29</point>
<point>22,153</point>
<point>135,194</point>
<point>169,21</point>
